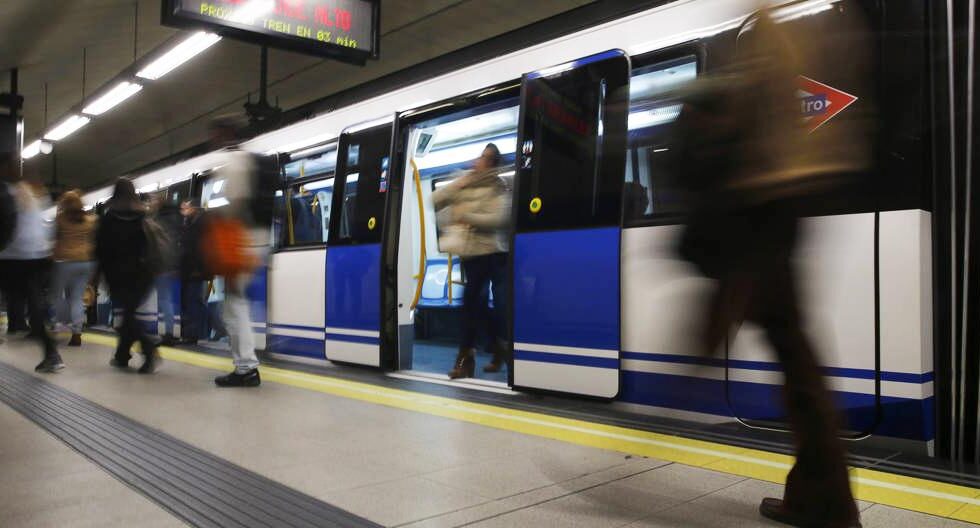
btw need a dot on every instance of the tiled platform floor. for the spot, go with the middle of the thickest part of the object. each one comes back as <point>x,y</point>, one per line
<point>395,467</point>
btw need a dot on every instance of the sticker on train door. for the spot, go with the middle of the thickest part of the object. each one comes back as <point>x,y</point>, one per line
<point>819,102</point>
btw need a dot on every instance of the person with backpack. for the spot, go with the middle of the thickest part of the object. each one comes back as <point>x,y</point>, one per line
<point>125,256</point>
<point>73,254</point>
<point>26,258</point>
<point>236,241</point>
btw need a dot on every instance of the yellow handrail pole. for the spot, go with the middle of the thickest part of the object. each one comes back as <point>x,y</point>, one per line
<point>449,279</point>
<point>422,256</point>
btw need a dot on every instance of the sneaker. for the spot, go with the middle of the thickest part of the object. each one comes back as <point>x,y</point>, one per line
<point>151,363</point>
<point>246,379</point>
<point>119,363</point>
<point>50,364</point>
<point>76,340</point>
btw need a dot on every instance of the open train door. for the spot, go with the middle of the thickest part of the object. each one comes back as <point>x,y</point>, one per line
<point>353,268</point>
<point>566,251</point>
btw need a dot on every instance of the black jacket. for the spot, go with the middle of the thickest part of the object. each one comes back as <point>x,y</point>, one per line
<point>191,261</point>
<point>120,248</point>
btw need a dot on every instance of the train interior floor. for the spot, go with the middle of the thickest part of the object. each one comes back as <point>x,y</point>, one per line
<point>97,446</point>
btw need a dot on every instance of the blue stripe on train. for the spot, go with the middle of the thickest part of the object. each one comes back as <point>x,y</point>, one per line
<point>901,417</point>
<point>354,339</point>
<point>566,359</point>
<point>771,366</point>
<point>296,346</point>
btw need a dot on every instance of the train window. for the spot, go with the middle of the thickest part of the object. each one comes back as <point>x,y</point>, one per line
<point>446,147</point>
<point>650,188</point>
<point>213,194</point>
<point>319,161</point>
<point>363,185</point>
<point>307,213</point>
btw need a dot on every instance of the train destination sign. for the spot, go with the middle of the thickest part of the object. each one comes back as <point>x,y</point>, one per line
<point>345,30</point>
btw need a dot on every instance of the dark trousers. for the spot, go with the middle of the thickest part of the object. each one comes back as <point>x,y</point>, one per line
<point>26,277</point>
<point>817,486</point>
<point>15,297</point>
<point>482,273</point>
<point>130,329</point>
<point>193,308</point>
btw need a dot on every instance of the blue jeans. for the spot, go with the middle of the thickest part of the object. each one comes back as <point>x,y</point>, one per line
<point>67,287</point>
<point>165,301</point>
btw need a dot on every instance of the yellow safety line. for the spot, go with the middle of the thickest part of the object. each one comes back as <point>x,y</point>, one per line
<point>910,493</point>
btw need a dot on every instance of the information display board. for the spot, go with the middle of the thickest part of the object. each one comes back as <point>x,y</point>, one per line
<point>345,30</point>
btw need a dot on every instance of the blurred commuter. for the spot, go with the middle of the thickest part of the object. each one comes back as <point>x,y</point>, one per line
<point>74,255</point>
<point>239,240</point>
<point>476,207</point>
<point>25,260</point>
<point>168,216</point>
<point>122,249</point>
<point>193,276</point>
<point>746,159</point>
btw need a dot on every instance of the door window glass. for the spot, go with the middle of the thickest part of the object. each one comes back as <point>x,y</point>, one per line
<point>651,189</point>
<point>364,184</point>
<point>570,175</point>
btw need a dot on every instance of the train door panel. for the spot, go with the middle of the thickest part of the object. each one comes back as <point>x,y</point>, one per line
<point>295,281</point>
<point>566,252</point>
<point>353,260</point>
<point>436,145</point>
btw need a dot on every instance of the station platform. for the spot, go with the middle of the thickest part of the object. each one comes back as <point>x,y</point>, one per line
<point>96,446</point>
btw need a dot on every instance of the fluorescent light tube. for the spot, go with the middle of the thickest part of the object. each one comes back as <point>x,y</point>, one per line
<point>180,54</point>
<point>124,90</point>
<point>322,184</point>
<point>31,150</point>
<point>67,127</point>
<point>217,202</point>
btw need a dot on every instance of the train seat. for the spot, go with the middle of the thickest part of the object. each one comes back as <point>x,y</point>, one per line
<point>435,285</point>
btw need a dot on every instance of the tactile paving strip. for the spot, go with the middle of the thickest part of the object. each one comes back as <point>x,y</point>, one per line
<point>194,485</point>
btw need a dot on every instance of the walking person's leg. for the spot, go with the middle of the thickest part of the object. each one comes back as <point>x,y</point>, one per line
<point>193,310</point>
<point>477,272</point>
<point>128,328</point>
<point>498,331</point>
<point>56,294</point>
<point>33,273</point>
<point>817,487</point>
<point>239,325</point>
<point>78,275</point>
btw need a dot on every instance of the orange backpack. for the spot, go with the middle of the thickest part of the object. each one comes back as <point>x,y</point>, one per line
<point>224,246</point>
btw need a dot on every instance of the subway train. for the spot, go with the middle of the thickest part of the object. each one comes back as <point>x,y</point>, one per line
<point>601,307</point>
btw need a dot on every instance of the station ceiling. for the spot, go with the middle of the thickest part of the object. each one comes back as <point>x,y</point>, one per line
<point>67,48</point>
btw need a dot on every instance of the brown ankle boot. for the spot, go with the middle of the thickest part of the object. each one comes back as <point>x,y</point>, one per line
<point>465,364</point>
<point>499,357</point>
<point>76,340</point>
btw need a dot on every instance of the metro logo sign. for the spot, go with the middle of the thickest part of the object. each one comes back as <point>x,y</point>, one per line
<point>819,102</point>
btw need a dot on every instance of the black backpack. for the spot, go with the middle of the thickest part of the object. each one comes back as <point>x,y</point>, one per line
<point>8,215</point>
<point>268,180</point>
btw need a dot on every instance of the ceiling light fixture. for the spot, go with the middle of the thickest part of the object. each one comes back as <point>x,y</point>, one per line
<point>124,90</point>
<point>178,55</point>
<point>67,127</point>
<point>31,150</point>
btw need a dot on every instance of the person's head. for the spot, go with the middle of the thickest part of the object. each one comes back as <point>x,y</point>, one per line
<point>189,208</point>
<point>124,197</point>
<point>223,131</point>
<point>70,206</point>
<point>489,159</point>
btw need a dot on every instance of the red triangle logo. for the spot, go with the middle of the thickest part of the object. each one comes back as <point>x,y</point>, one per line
<point>819,102</point>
